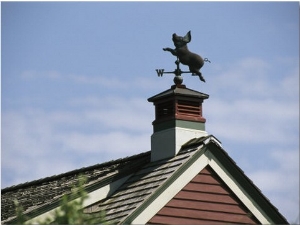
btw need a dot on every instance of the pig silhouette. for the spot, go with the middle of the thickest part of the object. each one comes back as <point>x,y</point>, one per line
<point>192,60</point>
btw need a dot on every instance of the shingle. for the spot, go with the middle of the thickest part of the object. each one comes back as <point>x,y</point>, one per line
<point>147,177</point>
<point>138,188</point>
<point>39,193</point>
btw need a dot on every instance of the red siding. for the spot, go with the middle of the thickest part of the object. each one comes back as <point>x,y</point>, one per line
<point>205,200</point>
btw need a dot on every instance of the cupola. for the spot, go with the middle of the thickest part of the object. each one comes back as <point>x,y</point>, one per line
<point>178,118</point>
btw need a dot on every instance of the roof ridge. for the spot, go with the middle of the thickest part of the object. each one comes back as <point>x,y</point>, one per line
<point>76,171</point>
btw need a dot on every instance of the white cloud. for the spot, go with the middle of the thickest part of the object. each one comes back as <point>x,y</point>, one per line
<point>280,184</point>
<point>32,74</point>
<point>290,85</point>
<point>107,82</point>
<point>248,103</point>
<point>256,78</point>
<point>115,143</point>
<point>272,180</point>
<point>133,114</point>
<point>256,120</point>
<point>108,128</point>
<point>246,76</point>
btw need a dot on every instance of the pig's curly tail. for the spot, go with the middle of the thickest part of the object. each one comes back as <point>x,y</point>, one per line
<point>206,60</point>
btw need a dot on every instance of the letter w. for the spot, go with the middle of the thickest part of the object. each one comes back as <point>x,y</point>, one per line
<point>160,72</point>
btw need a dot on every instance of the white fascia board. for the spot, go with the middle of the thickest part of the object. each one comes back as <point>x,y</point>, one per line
<point>237,189</point>
<point>92,198</point>
<point>213,139</point>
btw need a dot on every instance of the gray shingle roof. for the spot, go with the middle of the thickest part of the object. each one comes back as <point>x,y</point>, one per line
<point>139,187</point>
<point>47,192</point>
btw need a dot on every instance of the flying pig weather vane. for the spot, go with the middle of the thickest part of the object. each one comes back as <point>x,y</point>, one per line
<point>184,56</point>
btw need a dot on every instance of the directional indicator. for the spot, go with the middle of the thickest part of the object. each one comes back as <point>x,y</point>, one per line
<point>177,72</point>
<point>160,72</point>
<point>177,79</point>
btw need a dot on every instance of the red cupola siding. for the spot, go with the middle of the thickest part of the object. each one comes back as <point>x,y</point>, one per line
<point>179,103</point>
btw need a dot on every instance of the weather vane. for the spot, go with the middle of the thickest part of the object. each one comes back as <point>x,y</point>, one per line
<point>184,56</point>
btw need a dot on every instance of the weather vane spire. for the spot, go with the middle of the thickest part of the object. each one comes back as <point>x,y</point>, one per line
<point>184,56</point>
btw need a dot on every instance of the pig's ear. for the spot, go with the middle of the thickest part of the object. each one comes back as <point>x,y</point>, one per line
<point>187,38</point>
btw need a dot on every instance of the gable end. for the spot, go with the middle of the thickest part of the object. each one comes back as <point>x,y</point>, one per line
<point>206,199</point>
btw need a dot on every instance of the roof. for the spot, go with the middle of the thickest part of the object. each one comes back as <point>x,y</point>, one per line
<point>138,188</point>
<point>46,193</point>
<point>178,91</point>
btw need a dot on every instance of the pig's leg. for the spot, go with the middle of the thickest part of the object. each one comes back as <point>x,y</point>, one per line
<point>173,51</point>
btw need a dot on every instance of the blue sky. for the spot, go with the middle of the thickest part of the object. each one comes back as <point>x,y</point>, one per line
<point>76,76</point>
